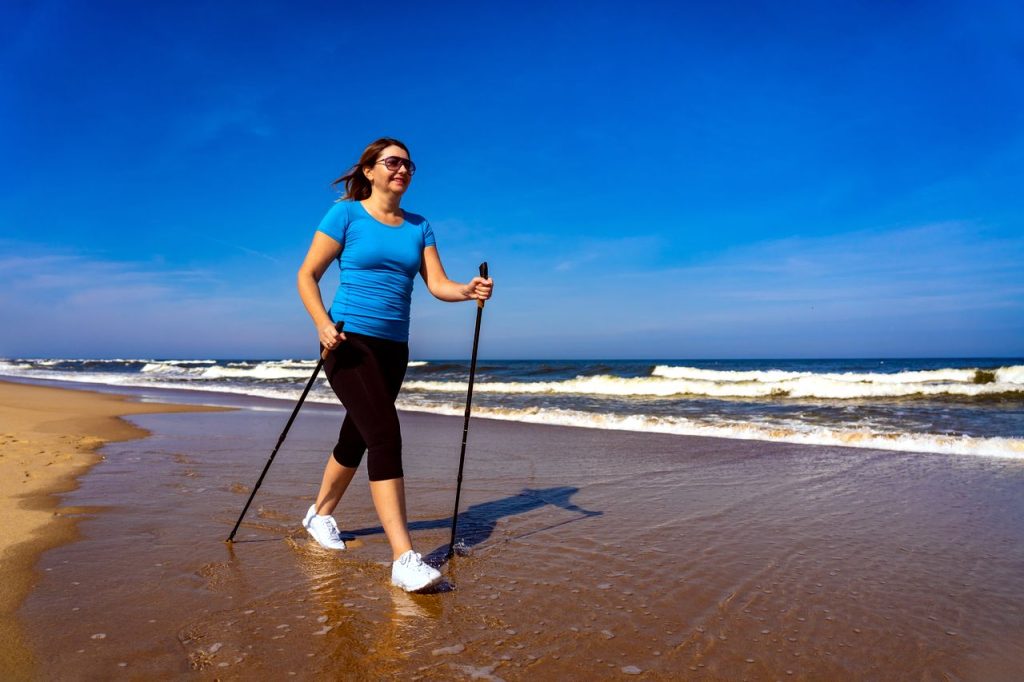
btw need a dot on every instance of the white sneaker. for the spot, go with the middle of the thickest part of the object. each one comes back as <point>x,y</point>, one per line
<point>323,529</point>
<point>411,574</point>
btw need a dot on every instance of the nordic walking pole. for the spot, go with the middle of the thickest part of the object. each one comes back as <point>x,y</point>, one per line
<point>302,398</point>
<point>465,426</point>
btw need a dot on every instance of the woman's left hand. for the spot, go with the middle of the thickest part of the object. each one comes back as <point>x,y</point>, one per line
<point>478,289</point>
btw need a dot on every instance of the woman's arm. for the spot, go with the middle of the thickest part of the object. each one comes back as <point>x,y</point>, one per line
<point>321,252</point>
<point>445,289</point>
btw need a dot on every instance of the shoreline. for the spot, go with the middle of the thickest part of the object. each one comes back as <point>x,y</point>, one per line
<point>50,437</point>
<point>1009,448</point>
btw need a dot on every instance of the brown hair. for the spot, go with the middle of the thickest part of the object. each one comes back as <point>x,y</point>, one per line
<point>357,187</point>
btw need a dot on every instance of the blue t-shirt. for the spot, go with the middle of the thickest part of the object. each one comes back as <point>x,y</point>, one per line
<point>379,264</point>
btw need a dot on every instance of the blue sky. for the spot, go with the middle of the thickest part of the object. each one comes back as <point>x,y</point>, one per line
<point>647,179</point>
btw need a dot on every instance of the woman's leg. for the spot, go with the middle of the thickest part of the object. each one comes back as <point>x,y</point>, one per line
<point>333,485</point>
<point>341,467</point>
<point>389,500</point>
<point>366,374</point>
<point>389,494</point>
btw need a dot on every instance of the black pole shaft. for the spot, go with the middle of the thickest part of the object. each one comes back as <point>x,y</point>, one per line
<point>295,412</point>
<point>465,425</point>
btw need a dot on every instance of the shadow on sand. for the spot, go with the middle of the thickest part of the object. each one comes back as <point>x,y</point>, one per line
<point>476,524</point>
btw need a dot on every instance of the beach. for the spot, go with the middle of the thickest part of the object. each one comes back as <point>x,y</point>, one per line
<point>49,437</point>
<point>585,554</point>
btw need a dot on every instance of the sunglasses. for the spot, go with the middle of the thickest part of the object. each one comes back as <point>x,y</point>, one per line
<point>393,163</point>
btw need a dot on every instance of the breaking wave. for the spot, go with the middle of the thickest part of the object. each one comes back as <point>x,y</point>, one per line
<point>921,406</point>
<point>790,433</point>
<point>668,381</point>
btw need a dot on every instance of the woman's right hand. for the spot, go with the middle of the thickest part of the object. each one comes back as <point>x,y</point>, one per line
<point>330,337</point>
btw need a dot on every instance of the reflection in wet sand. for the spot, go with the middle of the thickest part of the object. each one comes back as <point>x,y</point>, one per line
<point>586,555</point>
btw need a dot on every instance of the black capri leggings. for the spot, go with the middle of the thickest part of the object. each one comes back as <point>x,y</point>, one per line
<point>366,373</point>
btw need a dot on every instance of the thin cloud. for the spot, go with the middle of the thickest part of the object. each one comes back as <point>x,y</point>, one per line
<point>70,304</point>
<point>932,287</point>
<point>901,263</point>
<point>242,115</point>
<point>607,252</point>
<point>246,250</point>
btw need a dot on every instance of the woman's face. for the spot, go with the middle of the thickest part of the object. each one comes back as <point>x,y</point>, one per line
<point>384,179</point>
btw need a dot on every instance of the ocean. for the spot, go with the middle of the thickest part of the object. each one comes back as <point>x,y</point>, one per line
<point>959,406</point>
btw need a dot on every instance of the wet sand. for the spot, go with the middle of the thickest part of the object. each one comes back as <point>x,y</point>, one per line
<point>48,437</point>
<point>588,555</point>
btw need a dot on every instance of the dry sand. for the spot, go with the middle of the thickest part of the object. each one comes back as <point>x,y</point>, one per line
<point>48,437</point>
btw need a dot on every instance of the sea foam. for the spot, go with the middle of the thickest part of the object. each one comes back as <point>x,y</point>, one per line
<point>691,381</point>
<point>804,434</point>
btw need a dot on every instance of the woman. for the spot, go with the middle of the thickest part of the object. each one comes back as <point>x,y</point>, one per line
<point>379,249</point>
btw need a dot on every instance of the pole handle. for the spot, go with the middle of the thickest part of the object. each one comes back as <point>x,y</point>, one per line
<point>483,273</point>
<point>340,326</point>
